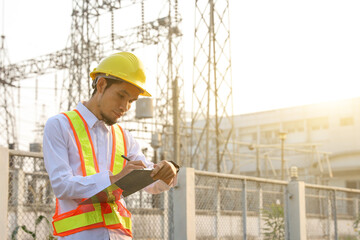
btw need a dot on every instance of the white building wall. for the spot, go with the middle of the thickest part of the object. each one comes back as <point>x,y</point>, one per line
<point>333,127</point>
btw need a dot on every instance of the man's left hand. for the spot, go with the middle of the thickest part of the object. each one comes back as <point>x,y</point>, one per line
<point>164,171</point>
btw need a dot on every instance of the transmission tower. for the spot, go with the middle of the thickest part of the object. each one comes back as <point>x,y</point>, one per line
<point>163,32</point>
<point>87,46</point>
<point>7,115</point>
<point>212,87</point>
<point>170,102</point>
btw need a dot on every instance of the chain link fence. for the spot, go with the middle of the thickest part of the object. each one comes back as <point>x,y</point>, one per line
<point>332,213</point>
<point>31,203</point>
<point>238,208</point>
<point>226,207</point>
<point>151,215</point>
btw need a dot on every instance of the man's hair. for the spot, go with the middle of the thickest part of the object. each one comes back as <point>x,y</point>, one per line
<point>109,82</point>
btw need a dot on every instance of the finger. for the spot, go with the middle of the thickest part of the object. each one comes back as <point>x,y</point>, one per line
<point>137,167</point>
<point>136,163</point>
<point>165,178</point>
<point>164,174</point>
<point>157,168</point>
<point>168,176</point>
<point>166,169</point>
<point>128,168</point>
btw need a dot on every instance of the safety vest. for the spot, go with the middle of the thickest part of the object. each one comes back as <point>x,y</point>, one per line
<point>112,215</point>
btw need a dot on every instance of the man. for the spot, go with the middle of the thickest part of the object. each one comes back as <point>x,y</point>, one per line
<point>83,148</point>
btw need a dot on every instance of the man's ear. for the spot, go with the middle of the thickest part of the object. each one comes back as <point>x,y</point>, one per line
<point>101,85</point>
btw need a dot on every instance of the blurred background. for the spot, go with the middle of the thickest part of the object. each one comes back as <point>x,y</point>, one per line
<point>250,88</point>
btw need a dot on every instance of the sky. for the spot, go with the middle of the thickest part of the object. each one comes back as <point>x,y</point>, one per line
<point>289,53</point>
<point>284,53</point>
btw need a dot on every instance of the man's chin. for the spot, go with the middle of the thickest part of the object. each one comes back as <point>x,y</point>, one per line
<point>109,121</point>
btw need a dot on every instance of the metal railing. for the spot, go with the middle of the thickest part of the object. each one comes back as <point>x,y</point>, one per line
<point>239,207</point>
<point>225,206</point>
<point>31,203</point>
<point>332,212</point>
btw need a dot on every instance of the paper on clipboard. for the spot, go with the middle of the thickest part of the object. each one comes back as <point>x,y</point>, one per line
<point>131,183</point>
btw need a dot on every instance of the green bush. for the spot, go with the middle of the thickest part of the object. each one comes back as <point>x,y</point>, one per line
<point>33,234</point>
<point>356,225</point>
<point>274,222</point>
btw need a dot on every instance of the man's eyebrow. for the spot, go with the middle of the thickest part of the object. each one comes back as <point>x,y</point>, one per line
<point>126,92</point>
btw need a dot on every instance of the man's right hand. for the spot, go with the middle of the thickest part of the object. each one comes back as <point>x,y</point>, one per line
<point>130,166</point>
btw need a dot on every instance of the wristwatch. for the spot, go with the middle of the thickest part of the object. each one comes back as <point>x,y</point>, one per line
<point>176,166</point>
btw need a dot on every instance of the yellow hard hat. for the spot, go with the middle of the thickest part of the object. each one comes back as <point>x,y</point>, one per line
<point>123,65</point>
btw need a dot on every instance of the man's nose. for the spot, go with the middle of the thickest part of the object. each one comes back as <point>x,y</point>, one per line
<point>124,106</point>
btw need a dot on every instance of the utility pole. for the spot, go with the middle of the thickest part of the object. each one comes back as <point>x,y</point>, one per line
<point>282,136</point>
<point>7,115</point>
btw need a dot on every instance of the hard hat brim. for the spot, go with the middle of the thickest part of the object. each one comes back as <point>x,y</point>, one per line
<point>143,92</point>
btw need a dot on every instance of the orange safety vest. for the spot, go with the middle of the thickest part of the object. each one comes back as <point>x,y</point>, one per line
<point>112,215</point>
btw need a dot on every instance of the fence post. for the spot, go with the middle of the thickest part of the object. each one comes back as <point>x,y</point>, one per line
<point>244,208</point>
<point>296,210</point>
<point>184,205</point>
<point>4,191</point>
<point>329,214</point>
<point>261,207</point>
<point>218,210</point>
<point>20,200</point>
<point>334,211</point>
<point>166,219</point>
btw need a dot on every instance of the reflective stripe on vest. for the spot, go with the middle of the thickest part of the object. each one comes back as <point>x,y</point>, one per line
<point>117,162</point>
<point>109,215</point>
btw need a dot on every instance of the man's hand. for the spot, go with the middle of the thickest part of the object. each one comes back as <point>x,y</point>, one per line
<point>130,166</point>
<point>164,171</point>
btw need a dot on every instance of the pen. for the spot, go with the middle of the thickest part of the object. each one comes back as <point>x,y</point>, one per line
<point>125,157</point>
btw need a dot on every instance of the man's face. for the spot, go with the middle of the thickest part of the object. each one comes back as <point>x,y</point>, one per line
<point>116,100</point>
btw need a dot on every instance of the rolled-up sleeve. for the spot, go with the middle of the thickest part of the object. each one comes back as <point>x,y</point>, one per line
<point>65,184</point>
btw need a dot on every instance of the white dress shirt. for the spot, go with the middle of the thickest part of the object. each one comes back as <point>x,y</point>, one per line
<point>62,162</point>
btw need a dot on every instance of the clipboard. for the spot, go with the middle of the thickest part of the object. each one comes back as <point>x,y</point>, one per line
<point>129,184</point>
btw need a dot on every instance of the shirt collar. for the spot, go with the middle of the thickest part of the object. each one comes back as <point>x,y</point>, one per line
<point>88,116</point>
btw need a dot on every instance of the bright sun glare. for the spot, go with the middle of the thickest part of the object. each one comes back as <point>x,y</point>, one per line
<point>283,53</point>
<point>288,53</point>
